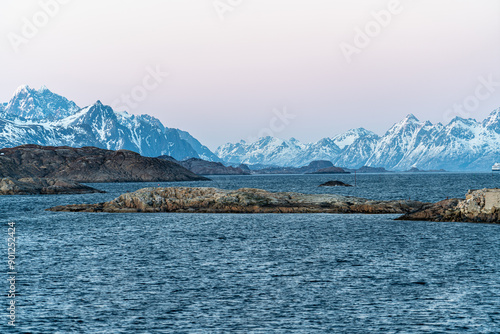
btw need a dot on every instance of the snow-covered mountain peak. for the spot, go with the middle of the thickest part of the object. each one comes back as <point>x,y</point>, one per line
<point>45,118</point>
<point>349,137</point>
<point>22,89</point>
<point>457,120</point>
<point>493,120</point>
<point>42,105</point>
<point>406,125</point>
<point>410,118</point>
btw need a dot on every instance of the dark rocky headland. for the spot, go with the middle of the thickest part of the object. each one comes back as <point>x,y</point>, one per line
<point>88,164</point>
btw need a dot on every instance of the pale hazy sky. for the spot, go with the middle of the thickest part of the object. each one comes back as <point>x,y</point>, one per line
<point>227,75</point>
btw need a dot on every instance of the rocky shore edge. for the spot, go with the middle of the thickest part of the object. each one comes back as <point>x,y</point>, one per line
<point>479,206</point>
<point>245,200</point>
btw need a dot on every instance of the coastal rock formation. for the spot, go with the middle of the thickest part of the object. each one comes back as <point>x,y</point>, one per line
<point>330,170</point>
<point>37,186</point>
<point>245,168</point>
<point>368,169</point>
<point>213,200</point>
<point>315,167</point>
<point>203,167</point>
<point>479,206</point>
<point>88,164</point>
<point>312,167</point>
<point>335,184</point>
<point>416,170</point>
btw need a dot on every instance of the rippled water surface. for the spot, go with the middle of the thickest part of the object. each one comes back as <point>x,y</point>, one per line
<point>194,273</point>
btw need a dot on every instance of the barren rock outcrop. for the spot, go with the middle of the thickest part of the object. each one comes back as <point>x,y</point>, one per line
<point>213,200</point>
<point>335,184</point>
<point>478,206</point>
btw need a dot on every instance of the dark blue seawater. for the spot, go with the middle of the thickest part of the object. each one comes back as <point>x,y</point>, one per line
<point>221,273</point>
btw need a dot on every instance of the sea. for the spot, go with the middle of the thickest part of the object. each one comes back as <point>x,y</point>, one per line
<point>252,273</point>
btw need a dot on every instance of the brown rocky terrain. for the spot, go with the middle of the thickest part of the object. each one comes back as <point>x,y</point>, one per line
<point>482,206</point>
<point>213,200</point>
<point>88,164</point>
<point>37,186</point>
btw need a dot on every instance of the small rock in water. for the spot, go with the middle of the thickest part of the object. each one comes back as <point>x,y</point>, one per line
<point>335,184</point>
<point>420,283</point>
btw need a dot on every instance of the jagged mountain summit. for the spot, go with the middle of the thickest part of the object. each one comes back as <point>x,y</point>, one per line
<point>45,118</point>
<point>37,105</point>
<point>463,144</point>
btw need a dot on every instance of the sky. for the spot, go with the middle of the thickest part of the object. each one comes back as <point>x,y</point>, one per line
<point>227,70</point>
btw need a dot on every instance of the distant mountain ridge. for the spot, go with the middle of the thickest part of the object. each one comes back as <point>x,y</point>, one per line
<point>463,144</point>
<point>44,118</point>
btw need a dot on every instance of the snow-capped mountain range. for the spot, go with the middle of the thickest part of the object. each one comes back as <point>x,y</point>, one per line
<point>45,118</point>
<point>463,144</point>
<point>42,117</point>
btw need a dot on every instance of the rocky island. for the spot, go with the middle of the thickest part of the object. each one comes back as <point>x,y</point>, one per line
<point>479,206</point>
<point>88,164</point>
<point>368,170</point>
<point>416,170</point>
<point>312,168</point>
<point>213,200</point>
<point>37,186</point>
<point>335,184</point>
<point>330,170</point>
